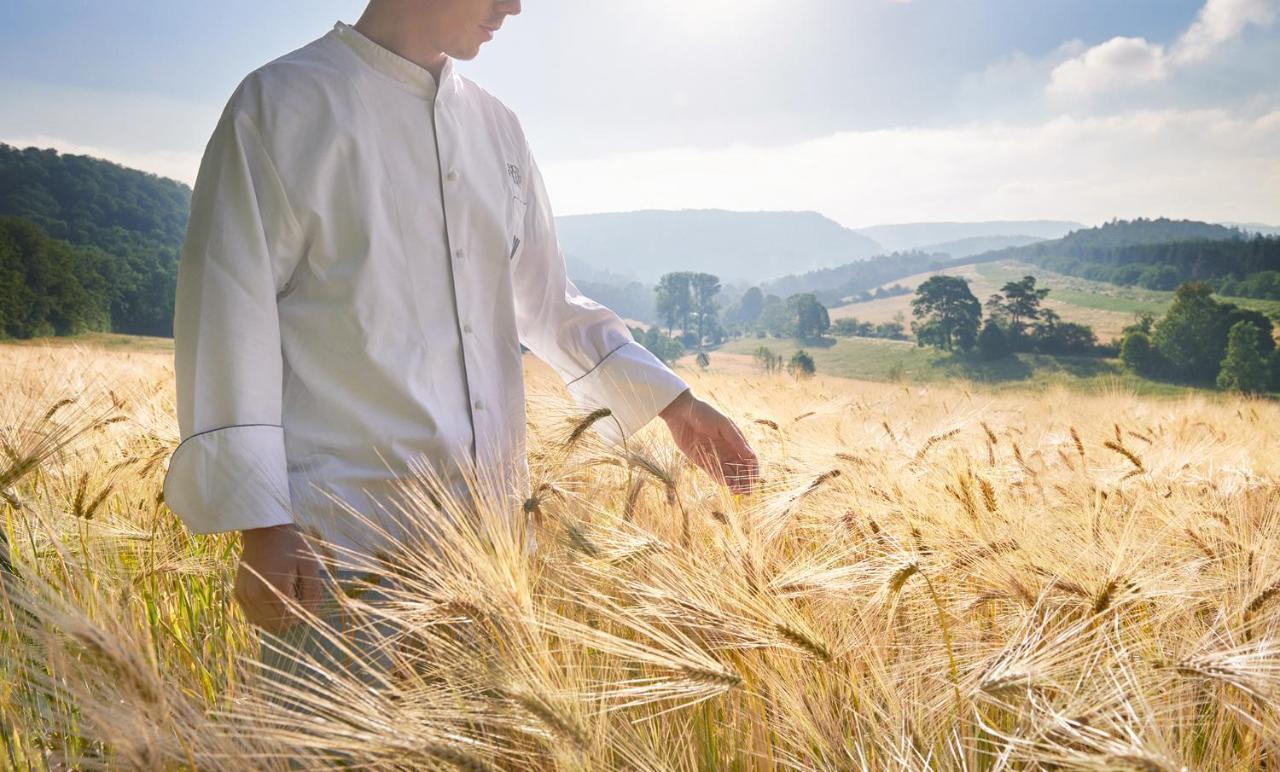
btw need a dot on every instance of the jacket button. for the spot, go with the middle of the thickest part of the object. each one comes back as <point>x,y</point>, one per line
<point>453,175</point>
<point>460,253</point>
<point>466,328</point>
<point>479,405</point>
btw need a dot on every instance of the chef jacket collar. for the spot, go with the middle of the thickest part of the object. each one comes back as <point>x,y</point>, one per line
<point>411,76</point>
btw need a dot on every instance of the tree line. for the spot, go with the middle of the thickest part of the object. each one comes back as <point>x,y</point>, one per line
<point>691,317</point>
<point>687,302</point>
<point>866,296</point>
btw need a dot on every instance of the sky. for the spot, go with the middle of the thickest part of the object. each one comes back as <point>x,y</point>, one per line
<point>868,111</point>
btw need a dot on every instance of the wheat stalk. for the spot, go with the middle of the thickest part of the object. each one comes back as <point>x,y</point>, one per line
<point>1128,454</point>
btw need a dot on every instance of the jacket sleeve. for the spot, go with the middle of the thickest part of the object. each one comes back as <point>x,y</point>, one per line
<point>242,244</point>
<point>590,348</point>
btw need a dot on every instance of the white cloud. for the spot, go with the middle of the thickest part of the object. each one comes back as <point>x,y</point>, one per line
<point>1119,62</point>
<point>1124,62</point>
<point>174,165</point>
<point>1206,164</point>
<point>1221,21</point>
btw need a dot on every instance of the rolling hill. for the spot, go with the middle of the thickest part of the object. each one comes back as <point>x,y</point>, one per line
<point>1107,308</point>
<point>1091,289</point>
<point>1161,254</point>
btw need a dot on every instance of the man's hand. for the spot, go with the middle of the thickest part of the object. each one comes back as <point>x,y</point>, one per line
<point>282,558</point>
<point>711,441</point>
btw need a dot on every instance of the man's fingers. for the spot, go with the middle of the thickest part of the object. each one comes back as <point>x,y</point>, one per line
<point>260,604</point>
<point>307,586</point>
<point>741,470</point>
<point>728,459</point>
<point>705,455</point>
<point>713,442</point>
<point>743,478</point>
<point>278,575</point>
<point>269,604</point>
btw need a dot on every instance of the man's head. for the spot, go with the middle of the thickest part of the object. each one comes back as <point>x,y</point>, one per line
<point>456,27</point>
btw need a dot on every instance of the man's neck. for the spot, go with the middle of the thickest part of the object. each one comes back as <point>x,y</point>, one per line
<point>396,36</point>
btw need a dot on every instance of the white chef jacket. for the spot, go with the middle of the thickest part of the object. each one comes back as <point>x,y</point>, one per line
<point>365,253</point>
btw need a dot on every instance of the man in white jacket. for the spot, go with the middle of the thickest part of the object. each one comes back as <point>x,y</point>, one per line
<point>370,242</point>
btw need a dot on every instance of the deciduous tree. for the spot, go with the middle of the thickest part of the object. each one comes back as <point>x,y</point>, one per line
<point>947,314</point>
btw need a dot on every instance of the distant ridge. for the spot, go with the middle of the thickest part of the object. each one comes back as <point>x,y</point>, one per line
<point>1255,227</point>
<point>1139,232</point>
<point>750,246</point>
<point>976,245</point>
<point>927,235</point>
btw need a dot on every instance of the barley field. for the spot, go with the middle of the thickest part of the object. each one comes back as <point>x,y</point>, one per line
<point>930,577</point>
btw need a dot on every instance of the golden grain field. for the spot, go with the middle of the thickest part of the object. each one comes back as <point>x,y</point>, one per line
<point>930,578</point>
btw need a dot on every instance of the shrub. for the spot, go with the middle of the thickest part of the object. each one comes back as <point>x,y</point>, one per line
<point>1137,353</point>
<point>1072,338</point>
<point>993,341</point>
<point>801,364</point>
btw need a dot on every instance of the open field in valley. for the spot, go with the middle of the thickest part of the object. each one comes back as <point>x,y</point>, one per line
<point>931,576</point>
<point>1107,308</point>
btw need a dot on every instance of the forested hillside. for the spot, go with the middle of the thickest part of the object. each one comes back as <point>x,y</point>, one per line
<point>1163,254</point>
<point>86,244</point>
<point>833,285</point>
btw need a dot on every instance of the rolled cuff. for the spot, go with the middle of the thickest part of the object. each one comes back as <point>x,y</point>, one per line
<point>230,479</point>
<point>633,383</point>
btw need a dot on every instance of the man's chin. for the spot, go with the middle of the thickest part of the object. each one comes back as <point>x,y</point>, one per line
<point>464,53</point>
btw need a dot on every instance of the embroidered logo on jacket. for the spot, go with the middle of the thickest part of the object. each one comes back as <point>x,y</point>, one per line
<point>516,176</point>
